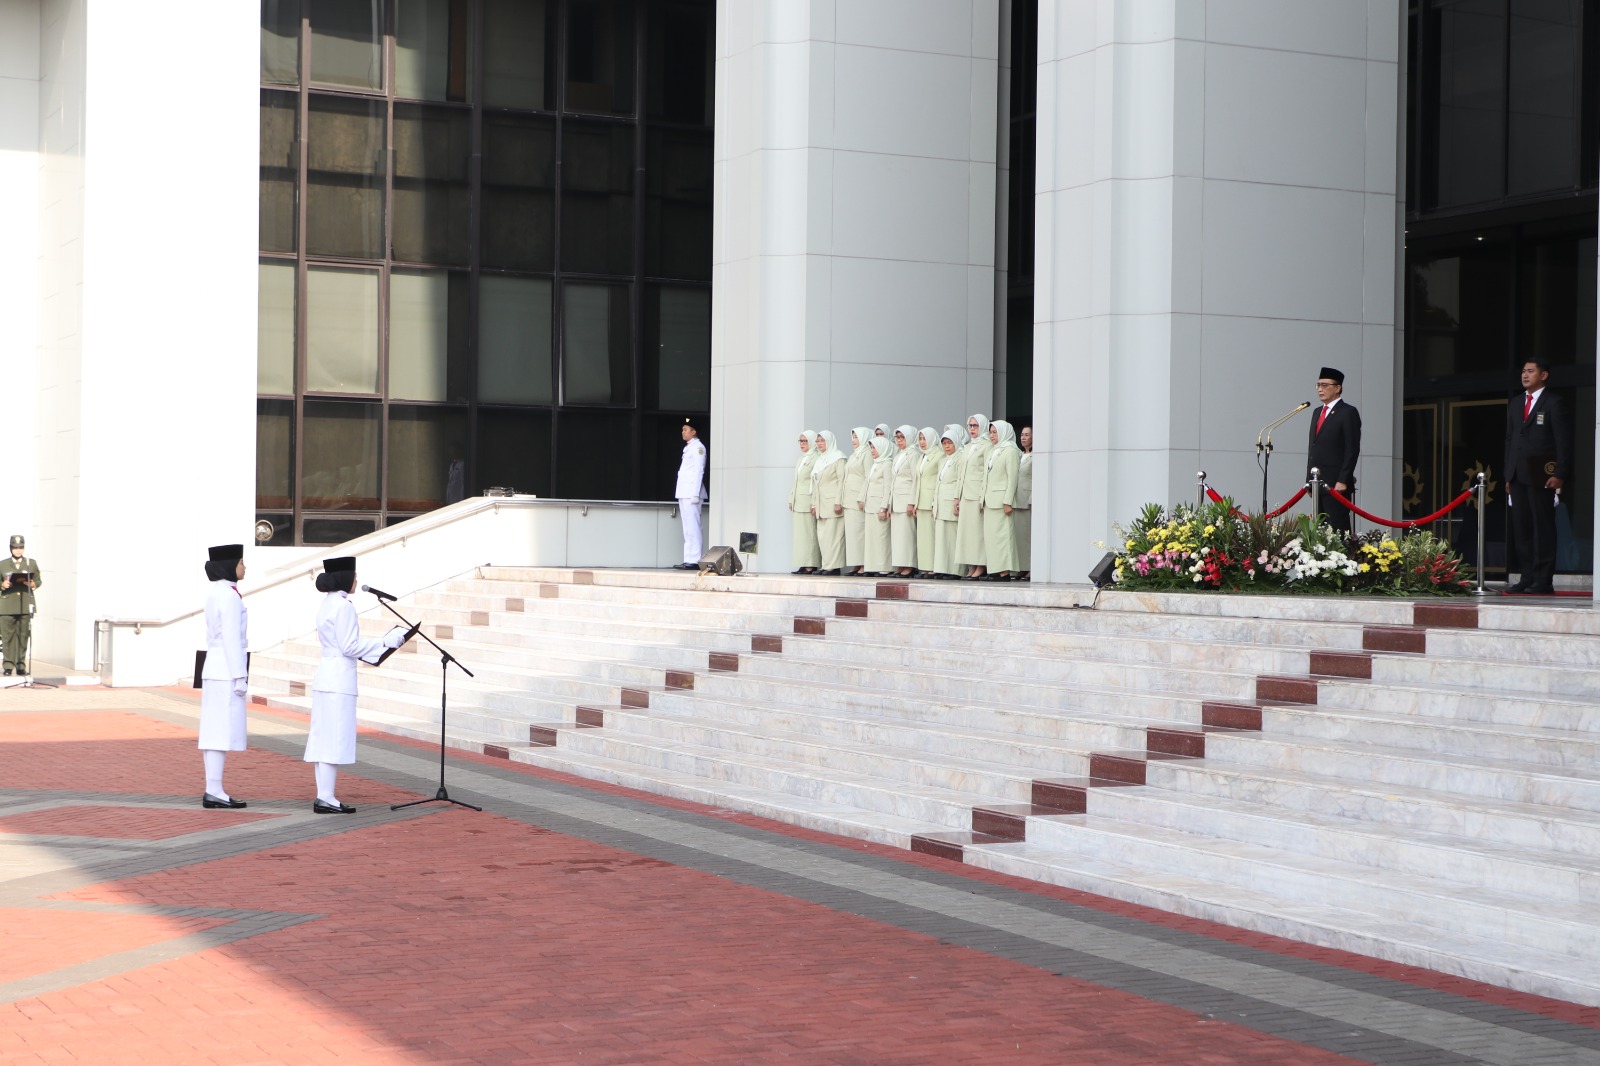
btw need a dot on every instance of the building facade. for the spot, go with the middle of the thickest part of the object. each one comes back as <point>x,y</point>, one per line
<point>333,263</point>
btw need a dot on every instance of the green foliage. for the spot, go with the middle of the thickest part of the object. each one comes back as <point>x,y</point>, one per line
<point>1218,547</point>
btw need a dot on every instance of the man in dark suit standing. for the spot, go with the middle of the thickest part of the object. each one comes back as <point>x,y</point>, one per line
<point>1537,464</point>
<point>1335,446</point>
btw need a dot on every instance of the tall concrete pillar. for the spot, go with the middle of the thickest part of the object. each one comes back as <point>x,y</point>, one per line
<point>853,234</point>
<point>1217,219</point>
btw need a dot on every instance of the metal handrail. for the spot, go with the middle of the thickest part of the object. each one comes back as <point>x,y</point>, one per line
<point>380,538</point>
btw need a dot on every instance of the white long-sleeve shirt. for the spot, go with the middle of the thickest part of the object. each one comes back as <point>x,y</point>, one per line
<point>226,624</point>
<point>339,630</point>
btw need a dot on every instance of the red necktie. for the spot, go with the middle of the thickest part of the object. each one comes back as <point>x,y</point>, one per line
<point>1527,407</point>
<point>1323,417</point>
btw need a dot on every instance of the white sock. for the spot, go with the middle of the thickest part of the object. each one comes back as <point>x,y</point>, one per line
<point>327,774</point>
<point>214,761</point>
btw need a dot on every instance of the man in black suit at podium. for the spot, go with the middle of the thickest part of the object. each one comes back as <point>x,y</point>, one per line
<point>1537,463</point>
<point>1335,446</point>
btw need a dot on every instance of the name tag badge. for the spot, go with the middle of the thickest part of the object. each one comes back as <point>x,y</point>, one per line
<point>1539,420</point>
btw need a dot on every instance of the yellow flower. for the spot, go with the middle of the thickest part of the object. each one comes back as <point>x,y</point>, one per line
<point>1129,545</point>
<point>1365,567</point>
<point>1210,530</point>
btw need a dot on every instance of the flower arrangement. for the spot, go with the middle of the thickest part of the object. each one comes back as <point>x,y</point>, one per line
<point>1218,547</point>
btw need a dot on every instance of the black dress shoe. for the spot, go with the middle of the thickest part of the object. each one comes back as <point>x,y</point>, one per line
<point>828,573</point>
<point>8,671</point>
<point>1532,590</point>
<point>1520,586</point>
<point>684,566</point>
<point>211,803</point>
<point>332,808</point>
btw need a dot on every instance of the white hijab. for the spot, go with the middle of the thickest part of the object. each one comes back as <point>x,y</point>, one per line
<point>910,450</point>
<point>829,455</point>
<point>810,454</point>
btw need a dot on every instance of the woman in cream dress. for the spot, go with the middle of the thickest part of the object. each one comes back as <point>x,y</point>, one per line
<point>947,495</point>
<point>855,482</point>
<point>929,457</point>
<point>876,499</point>
<point>802,520</point>
<point>999,500</point>
<point>827,501</point>
<point>1022,510</point>
<point>903,501</point>
<point>974,463</point>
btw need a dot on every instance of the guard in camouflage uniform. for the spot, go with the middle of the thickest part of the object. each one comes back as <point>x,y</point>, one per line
<point>18,579</point>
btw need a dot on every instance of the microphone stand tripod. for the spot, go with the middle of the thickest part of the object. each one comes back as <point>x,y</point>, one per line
<point>1264,450</point>
<point>445,659</point>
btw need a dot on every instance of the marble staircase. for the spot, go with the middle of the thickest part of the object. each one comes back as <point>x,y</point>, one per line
<point>1415,781</point>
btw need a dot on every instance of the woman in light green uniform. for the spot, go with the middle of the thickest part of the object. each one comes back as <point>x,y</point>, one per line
<point>802,521</point>
<point>929,456</point>
<point>974,462</point>
<point>827,500</point>
<point>946,497</point>
<point>855,481</point>
<point>877,497</point>
<point>903,502</point>
<point>999,500</point>
<point>1022,510</point>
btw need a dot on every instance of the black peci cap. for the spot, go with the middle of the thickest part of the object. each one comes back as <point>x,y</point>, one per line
<point>1333,375</point>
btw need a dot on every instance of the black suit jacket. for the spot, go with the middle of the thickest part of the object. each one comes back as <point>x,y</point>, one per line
<point>1335,450</point>
<point>1536,447</point>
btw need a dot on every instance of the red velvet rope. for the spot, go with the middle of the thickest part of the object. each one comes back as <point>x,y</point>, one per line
<point>1409,523</point>
<point>1296,498</point>
<point>1211,494</point>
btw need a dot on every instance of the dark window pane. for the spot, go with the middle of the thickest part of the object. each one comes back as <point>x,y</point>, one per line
<point>519,162</point>
<point>1459,313</point>
<point>280,169</point>
<point>274,453</point>
<point>432,49</point>
<point>275,327</point>
<point>681,64</point>
<point>339,463</point>
<point>595,456</point>
<point>1556,298</point>
<point>336,530</point>
<point>1546,61</point>
<point>347,42</point>
<point>280,41</point>
<point>597,198</point>
<point>519,54</point>
<point>1470,40</point>
<point>428,325</point>
<point>514,339</point>
<point>600,57</point>
<point>513,450</point>
<point>661,450</point>
<point>678,204</point>
<point>427,457</point>
<point>282,530</point>
<point>677,348</point>
<point>432,198</point>
<point>596,344</point>
<point>344,200</point>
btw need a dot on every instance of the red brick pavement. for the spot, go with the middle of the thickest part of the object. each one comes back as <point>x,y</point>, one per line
<point>471,938</point>
<point>37,941</point>
<point>122,823</point>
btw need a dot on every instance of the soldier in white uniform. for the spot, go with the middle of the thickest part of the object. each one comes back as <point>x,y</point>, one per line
<point>331,740</point>
<point>691,478</point>
<point>224,677</point>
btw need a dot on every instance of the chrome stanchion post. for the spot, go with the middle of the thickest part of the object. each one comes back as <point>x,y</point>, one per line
<point>1482,492</point>
<point>1316,492</point>
<point>1200,479</point>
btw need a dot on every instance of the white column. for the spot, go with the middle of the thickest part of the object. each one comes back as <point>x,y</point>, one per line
<point>1216,221</point>
<point>146,353</point>
<point>19,250</point>
<point>853,234</point>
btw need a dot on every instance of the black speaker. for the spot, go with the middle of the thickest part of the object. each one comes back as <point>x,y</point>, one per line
<point>721,558</point>
<point>1105,571</point>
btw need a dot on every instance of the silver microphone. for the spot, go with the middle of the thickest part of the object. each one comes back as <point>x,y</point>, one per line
<point>382,595</point>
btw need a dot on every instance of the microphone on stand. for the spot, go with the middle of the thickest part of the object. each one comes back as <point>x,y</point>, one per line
<point>382,595</point>
<point>1264,447</point>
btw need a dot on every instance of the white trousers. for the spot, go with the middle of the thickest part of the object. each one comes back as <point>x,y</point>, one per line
<point>693,544</point>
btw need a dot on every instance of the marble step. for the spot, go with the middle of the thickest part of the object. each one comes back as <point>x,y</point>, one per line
<point>1458,674</point>
<point>1493,778</point>
<point>823,816</point>
<point>928,804</point>
<point>1528,872</point>
<point>1313,793</point>
<point>723,619</point>
<point>1425,901</point>
<point>1445,703</point>
<point>753,600</point>
<point>1480,957</point>
<point>1536,745</point>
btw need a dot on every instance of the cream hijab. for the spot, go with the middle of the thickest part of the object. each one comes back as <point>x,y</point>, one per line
<point>930,443</point>
<point>1006,437</point>
<point>810,454</point>
<point>910,450</point>
<point>983,430</point>
<point>829,455</point>
<point>863,437</point>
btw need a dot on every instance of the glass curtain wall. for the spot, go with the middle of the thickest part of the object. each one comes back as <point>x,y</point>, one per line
<point>1500,251</point>
<point>485,239</point>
